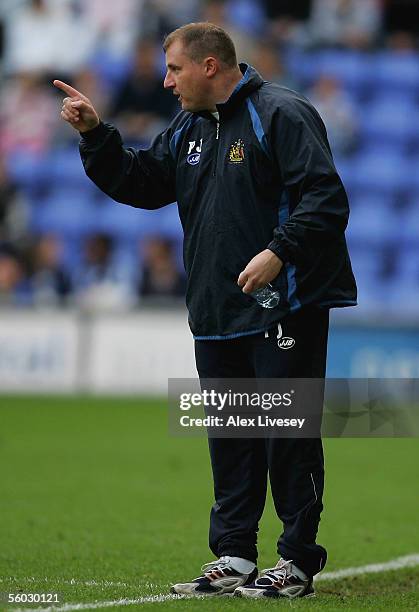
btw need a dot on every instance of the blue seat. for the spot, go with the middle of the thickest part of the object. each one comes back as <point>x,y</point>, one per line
<point>396,72</point>
<point>373,224</point>
<point>390,121</point>
<point>410,231</point>
<point>408,264</point>
<point>28,171</point>
<point>403,291</point>
<point>382,173</point>
<point>301,65</point>
<point>65,212</point>
<point>367,263</point>
<point>414,178</point>
<point>66,169</point>
<point>118,220</point>
<point>129,223</point>
<point>351,68</point>
<point>72,251</point>
<point>371,201</point>
<point>111,69</point>
<point>246,15</point>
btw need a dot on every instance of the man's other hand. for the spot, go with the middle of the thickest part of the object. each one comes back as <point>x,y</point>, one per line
<point>260,271</point>
<point>77,110</point>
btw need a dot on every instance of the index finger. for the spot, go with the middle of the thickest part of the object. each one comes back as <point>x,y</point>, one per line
<point>70,91</point>
<point>242,279</point>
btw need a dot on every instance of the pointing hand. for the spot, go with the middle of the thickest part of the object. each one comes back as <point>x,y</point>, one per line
<point>77,110</point>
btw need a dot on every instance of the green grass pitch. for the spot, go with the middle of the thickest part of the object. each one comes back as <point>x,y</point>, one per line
<point>96,490</point>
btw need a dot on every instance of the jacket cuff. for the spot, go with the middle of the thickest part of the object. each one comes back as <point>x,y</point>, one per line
<point>278,250</point>
<point>95,134</point>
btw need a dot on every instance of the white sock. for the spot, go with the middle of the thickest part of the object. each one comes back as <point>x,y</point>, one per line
<point>297,572</point>
<point>242,565</point>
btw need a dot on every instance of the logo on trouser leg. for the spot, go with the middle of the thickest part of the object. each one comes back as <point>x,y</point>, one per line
<point>284,342</point>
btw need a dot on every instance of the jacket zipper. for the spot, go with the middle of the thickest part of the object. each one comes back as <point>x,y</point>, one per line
<point>217,140</point>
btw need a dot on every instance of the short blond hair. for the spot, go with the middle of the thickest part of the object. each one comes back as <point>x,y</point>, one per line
<point>203,39</point>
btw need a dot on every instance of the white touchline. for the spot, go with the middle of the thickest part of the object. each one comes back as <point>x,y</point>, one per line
<point>373,568</point>
<point>74,581</point>
<point>70,581</point>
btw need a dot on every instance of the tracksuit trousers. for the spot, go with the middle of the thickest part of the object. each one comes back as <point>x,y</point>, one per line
<point>295,466</point>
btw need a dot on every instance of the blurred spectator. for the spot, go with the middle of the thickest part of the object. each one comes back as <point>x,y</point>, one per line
<point>28,115</point>
<point>287,20</point>
<point>268,62</point>
<point>338,113</point>
<point>101,284</point>
<point>116,25</point>
<point>46,37</point>
<point>345,23</point>
<point>299,11</point>
<point>161,277</point>
<point>402,16</point>
<point>8,10</point>
<point>163,16</point>
<point>50,283</point>
<point>13,208</point>
<point>14,288</point>
<point>215,11</point>
<point>402,41</point>
<point>142,107</point>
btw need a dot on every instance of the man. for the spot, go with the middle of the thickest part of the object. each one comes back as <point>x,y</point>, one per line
<point>260,202</point>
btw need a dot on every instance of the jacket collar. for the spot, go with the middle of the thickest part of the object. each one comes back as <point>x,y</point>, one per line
<point>250,81</point>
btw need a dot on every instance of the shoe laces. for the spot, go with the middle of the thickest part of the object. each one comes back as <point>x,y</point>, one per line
<point>218,564</point>
<point>281,572</point>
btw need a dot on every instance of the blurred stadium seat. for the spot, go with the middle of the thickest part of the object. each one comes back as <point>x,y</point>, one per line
<point>126,222</point>
<point>395,72</point>
<point>374,222</point>
<point>68,213</point>
<point>351,68</point>
<point>384,173</point>
<point>390,121</point>
<point>65,169</point>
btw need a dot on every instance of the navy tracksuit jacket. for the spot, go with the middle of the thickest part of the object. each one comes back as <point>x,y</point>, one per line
<point>264,178</point>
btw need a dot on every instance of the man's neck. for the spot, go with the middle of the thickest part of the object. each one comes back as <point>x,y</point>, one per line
<point>227,84</point>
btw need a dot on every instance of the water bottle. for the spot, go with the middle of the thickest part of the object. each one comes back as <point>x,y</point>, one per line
<point>267,296</point>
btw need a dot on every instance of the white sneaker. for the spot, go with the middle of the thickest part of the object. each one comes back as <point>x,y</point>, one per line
<point>279,581</point>
<point>218,578</point>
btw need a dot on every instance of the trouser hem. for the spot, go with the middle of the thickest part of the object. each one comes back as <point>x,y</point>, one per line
<point>238,552</point>
<point>309,564</point>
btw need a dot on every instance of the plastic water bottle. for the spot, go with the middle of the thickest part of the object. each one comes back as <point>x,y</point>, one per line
<point>267,296</point>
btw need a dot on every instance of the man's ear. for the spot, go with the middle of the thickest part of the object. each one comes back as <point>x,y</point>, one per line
<point>211,66</point>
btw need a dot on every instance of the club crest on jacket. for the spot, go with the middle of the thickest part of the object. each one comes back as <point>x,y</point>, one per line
<point>236,153</point>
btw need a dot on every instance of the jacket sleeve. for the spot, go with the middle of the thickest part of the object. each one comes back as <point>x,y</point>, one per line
<point>315,210</point>
<point>141,178</point>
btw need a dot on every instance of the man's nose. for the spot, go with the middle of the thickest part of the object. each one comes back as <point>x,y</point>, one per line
<point>168,82</point>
